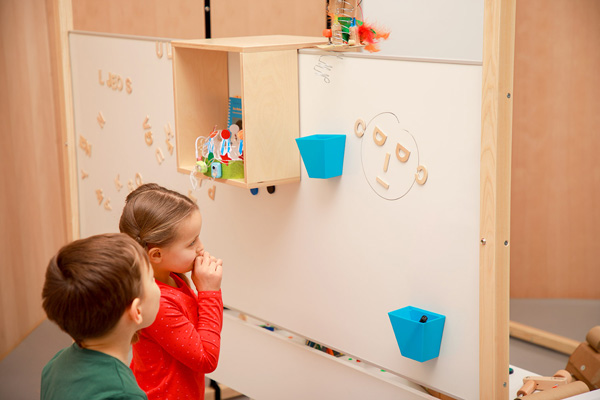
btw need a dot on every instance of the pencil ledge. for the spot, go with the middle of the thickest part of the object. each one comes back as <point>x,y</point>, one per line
<point>418,332</point>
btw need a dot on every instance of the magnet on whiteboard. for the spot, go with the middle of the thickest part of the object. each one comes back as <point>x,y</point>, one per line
<point>138,179</point>
<point>148,138</point>
<point>99,196</point>
<point>359,127</point>
<point>378,136</point>
<point>382,182</point>
<point>386,163</point>
<point>160,157</point>
<point>168,131</point>
<point>421,179</point>
<point>118,183</point>
<point>100,119</point>
<point>400,148</point>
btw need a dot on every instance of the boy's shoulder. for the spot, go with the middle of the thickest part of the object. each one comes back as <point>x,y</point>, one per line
<point>75,373</point>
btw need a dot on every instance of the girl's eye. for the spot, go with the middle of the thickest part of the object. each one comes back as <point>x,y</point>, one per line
<point>193,242</point>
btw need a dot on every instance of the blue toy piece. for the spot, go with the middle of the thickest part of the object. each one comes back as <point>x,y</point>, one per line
<point>254,191</point>
<point>323,155</point>
<point>418,332</point>
<point>216,171</point>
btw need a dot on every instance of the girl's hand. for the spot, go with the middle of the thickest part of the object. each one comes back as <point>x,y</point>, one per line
<point>207,272</point>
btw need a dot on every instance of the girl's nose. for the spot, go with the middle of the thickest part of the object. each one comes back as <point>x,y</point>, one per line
<point>199,248</point>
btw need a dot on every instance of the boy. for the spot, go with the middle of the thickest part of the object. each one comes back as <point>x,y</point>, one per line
<point>101,291</point>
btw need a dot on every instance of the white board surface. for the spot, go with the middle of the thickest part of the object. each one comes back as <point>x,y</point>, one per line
<point>430,29</point>
<point>326,259</point>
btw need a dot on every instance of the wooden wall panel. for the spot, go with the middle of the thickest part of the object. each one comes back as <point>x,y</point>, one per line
<point>231,18</point>
<point>177,19</point>
<point>32,205</point>
<point>556,146</point>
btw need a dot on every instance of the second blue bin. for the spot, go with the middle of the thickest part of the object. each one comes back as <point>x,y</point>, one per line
<point>418,341</point>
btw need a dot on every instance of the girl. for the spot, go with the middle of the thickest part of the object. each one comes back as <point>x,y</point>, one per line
<point>173,354</point>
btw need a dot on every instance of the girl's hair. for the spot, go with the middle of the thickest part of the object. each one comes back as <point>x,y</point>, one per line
<point>152,214</point>
<point>91,282</point>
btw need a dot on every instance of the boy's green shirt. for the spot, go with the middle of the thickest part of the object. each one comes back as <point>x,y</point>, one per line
<point>75,373</point>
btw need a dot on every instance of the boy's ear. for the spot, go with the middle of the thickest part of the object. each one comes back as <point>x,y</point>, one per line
<point>135,311</point>
<point>155,255</point>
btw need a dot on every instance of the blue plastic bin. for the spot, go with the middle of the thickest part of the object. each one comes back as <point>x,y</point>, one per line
<point>418,341</point>
<point>323,155</point>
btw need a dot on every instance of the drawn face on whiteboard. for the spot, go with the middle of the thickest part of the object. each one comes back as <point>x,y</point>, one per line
<point>389,156</point>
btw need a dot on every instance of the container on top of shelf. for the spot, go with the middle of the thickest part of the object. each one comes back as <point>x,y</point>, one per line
<point>418,332</point>
<point>263,72</point>
<point>323,155</point>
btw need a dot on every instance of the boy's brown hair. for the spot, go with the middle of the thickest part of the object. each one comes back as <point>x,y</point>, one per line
<point>91,282</point>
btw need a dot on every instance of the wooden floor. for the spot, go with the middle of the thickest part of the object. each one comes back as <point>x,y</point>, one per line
<point>20,371</point>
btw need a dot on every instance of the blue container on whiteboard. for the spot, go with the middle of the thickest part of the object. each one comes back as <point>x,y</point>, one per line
<point>418,332</point>
<point>323,155</point>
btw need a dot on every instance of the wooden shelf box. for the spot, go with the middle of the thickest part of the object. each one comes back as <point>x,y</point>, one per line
<point>263,71</point>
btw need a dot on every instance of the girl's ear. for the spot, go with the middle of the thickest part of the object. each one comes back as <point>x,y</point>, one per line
<point>155,255</point>
<point>135,311</point>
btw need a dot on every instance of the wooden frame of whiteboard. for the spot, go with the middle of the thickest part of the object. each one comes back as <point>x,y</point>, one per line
<point>496,142</point>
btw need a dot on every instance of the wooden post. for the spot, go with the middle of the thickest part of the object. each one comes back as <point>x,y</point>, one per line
<point>496,140</point>
<point>62,23</point>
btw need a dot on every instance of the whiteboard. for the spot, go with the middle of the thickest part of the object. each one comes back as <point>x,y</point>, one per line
<point>325,259</point>
<point>430,29</point>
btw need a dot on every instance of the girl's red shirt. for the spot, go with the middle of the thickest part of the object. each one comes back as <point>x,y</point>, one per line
<point>173,354</point>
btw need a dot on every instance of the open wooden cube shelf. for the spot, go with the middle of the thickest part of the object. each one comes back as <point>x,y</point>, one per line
<point>268,85</point>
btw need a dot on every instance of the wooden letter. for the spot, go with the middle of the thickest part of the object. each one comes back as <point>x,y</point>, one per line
<point>118,183</point>
<point>386,163</point>
<point>101,120</point>
<point>107,205</point>
<point>382,182</point>
<point>421,180</point>
<point>211,192</point>
<point>128,83</point>
<point>169,147</point>
<point>130,185</point>
<point>379,137</point>
<point>99,196</point>
<point>159,50</point>
<point>160,157</point>
<point>85,145</point>
<point>359,127</point>
<point>84,175</point>
<point>169,50</point>
<point>138,179</point>
<point>168,131</point>
<point>100,77</point>
<point>400,148</point>
<point>146,125</point>
<point>148,138</point>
